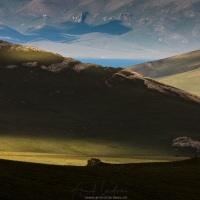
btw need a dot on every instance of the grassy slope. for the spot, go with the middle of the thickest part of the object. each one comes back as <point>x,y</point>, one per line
<point>166,181</point>
<point>188,81</point>
<point>169,66</point>
<point>16,54</point>
<point>82,111</point>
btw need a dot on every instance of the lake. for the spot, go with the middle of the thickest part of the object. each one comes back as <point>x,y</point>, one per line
<point>113,62</point>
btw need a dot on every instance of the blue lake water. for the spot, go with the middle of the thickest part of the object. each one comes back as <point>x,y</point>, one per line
<point>113,62</point>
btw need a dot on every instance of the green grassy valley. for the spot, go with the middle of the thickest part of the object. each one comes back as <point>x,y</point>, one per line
<point>64,151</point>
<point>87,110</point>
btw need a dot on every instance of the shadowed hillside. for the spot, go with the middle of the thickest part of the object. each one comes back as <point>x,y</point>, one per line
<point>167,181</point>
<point>73,100</point>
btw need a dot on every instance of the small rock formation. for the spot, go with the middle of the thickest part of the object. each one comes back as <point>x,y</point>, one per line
<point>4,43</point>
<point>127,17</point>
<point>186,142</point>
<point>189,143</point>
<point>11,66</point>
<point>81,17</point>
<point>30,64</point>
<point>58,67</point>
<point>94,162</point>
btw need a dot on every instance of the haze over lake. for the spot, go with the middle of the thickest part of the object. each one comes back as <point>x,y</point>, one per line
<point>112,62</point>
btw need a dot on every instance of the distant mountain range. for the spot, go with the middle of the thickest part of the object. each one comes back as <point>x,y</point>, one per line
<point>46,95</point>
<point>154,28</point>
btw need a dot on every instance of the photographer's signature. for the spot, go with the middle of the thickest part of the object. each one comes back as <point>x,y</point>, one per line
<point>103,190</point>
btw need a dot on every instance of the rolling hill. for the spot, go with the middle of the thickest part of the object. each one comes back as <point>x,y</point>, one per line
<point>169,66</point>
<point>181,71</point>
<point>53,104</point>
<point>188,81</point>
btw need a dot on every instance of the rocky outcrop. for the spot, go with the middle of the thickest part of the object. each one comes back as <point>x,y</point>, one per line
<point>4,43</point>
<point>152,84</point>
<point>81,17</point>
<point>127,17</point>
<point>11,66</point>
<point>57,67</point>
<point>69,63</point>
<point>186,142</point>
<point>94,162</point>
<point>30,64</point>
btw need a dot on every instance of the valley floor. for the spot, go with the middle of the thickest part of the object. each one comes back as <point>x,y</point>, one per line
<point>75,160</point>
<point>66,151</point>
